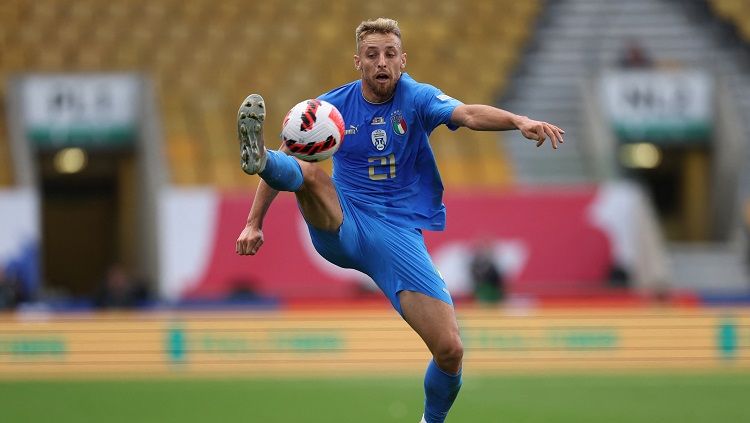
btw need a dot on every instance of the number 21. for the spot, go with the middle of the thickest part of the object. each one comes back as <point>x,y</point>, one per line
<point>387,162</point>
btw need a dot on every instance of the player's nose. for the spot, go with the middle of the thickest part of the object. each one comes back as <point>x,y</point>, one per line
<point>381,61</point>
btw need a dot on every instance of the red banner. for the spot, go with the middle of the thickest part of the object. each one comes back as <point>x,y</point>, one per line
<point>547,238</point>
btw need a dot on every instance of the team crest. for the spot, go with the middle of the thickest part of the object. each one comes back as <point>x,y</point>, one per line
<point>398,123</point>
<point>379,139</point>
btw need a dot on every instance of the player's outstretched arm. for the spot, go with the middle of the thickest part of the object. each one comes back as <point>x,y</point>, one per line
<point>251,238</point>
<point>480,117</point>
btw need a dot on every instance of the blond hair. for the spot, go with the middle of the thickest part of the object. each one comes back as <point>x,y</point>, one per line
<point>376,26</point>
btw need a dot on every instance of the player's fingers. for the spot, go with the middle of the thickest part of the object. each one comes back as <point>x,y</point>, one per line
<point>540,136</point>
<point>551,134</point>
<point>255,247</point>
<point>559,133</point>
<point>244,246</point>
<point>560,137</point>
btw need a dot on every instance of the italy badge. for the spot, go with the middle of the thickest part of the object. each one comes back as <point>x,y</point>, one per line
<point>398,123</point>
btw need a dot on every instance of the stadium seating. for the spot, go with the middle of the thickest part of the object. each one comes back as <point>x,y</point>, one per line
<point>737,12</point>
<point>6,177</point>
<point>205,57</point>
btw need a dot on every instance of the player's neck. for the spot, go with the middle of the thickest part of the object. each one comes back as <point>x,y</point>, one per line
<point>372,97</point>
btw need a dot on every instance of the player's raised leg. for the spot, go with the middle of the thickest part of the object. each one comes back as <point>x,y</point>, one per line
<point>313,187</point>
<point>435,321</point>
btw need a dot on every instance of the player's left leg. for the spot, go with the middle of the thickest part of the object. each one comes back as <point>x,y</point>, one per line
<point>435,321</point>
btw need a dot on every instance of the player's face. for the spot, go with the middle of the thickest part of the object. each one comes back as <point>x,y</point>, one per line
<point>380,60</point>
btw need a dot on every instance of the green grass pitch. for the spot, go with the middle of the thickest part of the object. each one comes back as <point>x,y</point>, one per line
<point>644,397</point>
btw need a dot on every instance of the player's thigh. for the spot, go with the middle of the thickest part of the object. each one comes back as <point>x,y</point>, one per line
<point>318,198</point>
<point>434,320</point>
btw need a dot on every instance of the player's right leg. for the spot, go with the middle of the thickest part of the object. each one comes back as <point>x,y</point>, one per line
<point>435,322</point>
<point>313,187</point>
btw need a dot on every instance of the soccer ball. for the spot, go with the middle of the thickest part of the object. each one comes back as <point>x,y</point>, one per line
<point>313,130</point>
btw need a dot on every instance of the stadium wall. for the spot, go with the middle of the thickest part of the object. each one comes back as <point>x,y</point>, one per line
<point>340,342</point>
<point>595,228</point>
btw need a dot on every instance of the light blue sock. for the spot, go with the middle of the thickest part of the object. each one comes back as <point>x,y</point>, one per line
<point>282,172</point>
<point>440,390</point>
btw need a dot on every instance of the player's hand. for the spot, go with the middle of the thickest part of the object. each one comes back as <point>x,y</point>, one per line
<point>250,241</point>
<point>539,131</point>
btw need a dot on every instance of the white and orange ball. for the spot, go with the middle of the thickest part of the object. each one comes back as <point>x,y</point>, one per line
<point>313,130</point>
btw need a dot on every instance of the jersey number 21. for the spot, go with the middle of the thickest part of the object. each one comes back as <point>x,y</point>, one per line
<point>382,167</point>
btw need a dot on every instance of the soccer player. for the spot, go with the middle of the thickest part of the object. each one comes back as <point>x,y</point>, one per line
<point>384,191</point>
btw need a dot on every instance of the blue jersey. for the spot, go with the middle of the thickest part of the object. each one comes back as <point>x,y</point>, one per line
<point>385,163</point>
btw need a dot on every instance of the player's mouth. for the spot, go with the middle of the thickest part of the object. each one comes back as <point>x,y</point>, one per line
<point>382,77</point>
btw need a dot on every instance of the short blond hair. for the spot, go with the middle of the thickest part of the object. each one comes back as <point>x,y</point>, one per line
<point>376,26</point>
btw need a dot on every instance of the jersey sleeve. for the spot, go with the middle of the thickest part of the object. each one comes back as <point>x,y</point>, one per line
<point>337,96</point>
<point>436,108</point>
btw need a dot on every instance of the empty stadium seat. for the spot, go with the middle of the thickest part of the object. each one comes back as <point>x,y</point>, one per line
<point>206,56</point>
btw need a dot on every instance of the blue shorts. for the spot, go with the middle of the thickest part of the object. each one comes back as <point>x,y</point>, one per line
<point>394,257</point>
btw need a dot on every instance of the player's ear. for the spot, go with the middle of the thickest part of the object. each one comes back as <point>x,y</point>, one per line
<point>357,62</point>
<point>403,60</point>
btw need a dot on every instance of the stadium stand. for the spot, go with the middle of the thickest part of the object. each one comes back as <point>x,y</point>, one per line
<point>574,41</point>
<point>6,177</point>
<point>737,12</point>
<point>205,57</point>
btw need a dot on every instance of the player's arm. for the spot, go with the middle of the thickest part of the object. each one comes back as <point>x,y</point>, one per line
<point>251,238</point>
<point>480,117</point>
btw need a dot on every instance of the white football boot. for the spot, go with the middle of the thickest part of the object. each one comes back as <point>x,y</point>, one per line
<point>250,119</point>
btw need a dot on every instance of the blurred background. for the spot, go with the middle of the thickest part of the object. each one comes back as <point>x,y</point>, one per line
<point>625,250</point>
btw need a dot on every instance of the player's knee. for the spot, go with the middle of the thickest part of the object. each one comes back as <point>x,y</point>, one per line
<point>449,355</point>
<point>311,174</point>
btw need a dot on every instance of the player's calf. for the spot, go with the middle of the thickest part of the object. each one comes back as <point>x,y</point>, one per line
<point>441,389</point>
